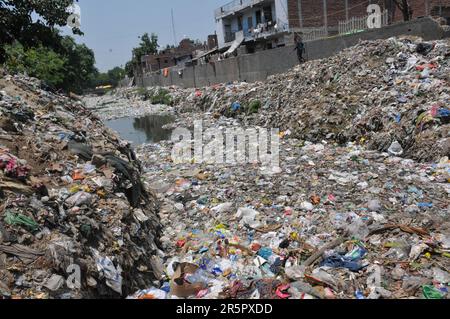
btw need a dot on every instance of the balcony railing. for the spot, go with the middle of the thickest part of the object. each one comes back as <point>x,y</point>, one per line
<point>263,30</point>
<point>356,24</point>
<point>235,6</point>
<point>268,29</point>
<point>310,34</point>
<point>230,37</point>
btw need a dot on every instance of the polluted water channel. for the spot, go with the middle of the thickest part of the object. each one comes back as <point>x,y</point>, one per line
<point>141,130</point>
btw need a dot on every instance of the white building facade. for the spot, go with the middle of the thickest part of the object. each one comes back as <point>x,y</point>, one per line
<point>254,19</point>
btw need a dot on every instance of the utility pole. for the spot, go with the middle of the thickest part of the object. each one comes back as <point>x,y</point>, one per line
<point>173,29</point>
<point>346,10</point>
<point>300,14</point>
<point>325,16</point>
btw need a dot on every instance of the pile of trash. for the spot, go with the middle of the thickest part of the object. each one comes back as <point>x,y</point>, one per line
<point>382,94</point>
<point>75,219</point>
<point>350,213</point>
<point>336,222</point>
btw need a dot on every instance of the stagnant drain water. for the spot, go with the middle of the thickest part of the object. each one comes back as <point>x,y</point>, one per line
<point>147,129</point>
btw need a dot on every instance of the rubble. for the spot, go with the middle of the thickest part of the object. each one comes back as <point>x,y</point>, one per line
<point>336,223</point>
<point>70,199</point>
<point>125,102</point>
<point>375,93</point>
<point>360,209</point>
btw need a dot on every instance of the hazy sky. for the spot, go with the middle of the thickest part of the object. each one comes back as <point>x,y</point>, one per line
<point>112,27</point>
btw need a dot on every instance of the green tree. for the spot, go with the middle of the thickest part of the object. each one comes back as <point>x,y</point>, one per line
<point>129,69</point>
<point>40,40</point>
<point>16,22</point>
<point>148,45</point>
<point>116,75</point>
<point>76,73</point>
<point>112,77</point>
<point>80,65</point>
<point>40,62</point>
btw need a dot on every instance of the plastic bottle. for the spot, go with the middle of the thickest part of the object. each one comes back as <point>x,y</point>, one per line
<point>199,277</point>
<point>358,229</point>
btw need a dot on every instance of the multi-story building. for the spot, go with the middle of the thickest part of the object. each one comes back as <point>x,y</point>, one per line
<point>266,23</point>
<point>247,20</point>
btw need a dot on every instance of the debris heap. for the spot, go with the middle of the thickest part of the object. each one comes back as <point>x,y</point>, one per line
<point>376,93</point>
<point>75,220</point>
<point>337,220</point>
<point>332,223</point>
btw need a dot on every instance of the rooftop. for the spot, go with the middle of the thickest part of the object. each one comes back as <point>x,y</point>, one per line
<point>235,6</point>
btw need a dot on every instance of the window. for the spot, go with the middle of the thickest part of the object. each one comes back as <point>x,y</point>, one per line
<point>229,35</point>
<point>250,22</point>
<point>267,14</point>
<point>239,23</point>
<point>258,17</point>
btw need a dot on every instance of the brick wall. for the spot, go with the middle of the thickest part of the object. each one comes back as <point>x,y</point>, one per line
<point>165,61</point>
<point>419,8</point>
<point>336,12</point>
<point>293,16</point>
<point>313,12</point>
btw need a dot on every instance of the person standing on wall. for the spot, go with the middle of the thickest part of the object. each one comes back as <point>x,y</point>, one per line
<point>300,47</point>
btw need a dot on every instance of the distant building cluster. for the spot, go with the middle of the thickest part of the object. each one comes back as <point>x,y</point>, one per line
<point>176,56</point>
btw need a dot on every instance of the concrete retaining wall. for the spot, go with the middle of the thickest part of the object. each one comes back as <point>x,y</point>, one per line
<point>260,65</point>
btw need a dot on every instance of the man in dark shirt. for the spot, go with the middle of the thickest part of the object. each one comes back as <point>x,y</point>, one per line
<point>300,47</point>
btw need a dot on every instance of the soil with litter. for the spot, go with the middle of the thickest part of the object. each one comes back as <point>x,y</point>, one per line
<point>375,94</point>
<point>75,219</point>
<point>359,207</point>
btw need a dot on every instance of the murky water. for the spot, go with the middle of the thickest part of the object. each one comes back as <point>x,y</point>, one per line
<point>147,129</point>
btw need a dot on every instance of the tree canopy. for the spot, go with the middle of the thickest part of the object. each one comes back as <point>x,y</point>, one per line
<point>148,45</point>
<point>112,77</point>
<point>16,22</point>
<point>40,62</point>
<point>80,66</point>
<point>36,47</point>
<point>30,42</point>
<point>70,67</point>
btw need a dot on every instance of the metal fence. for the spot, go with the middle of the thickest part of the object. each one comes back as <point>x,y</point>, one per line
<point>310,34</point>
<point>356,24</point>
